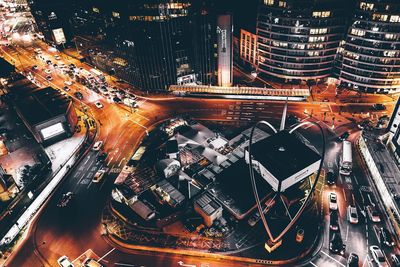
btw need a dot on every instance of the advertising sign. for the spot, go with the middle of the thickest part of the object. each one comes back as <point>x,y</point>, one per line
<point>52,131</point>
<point>58,36</point>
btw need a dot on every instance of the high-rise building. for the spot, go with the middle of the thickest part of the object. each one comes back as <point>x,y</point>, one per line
<point>225,50</point>
<point>394,132</point>
<point>298,39</point>
<point>52,18</point>
<point>370,54</point>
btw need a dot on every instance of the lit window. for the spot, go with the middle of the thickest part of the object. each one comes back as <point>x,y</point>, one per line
<point>299,46</point>
<point>279,44</point>
<point>115,14</point>
<point>318,31</point>
<point>380,17</point>
<point>366,6</point>
<point>389,53</point>
<point>95,9</point>
<point>357,32</point>
<point>321,14</point>
<point>390,36</point>
<point>282,3</point>
<point>314,39</point>
<point>313,53</point>
<point>269,2</point>
<point>395,18</point>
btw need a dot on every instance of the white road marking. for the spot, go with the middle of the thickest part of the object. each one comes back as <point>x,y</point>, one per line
<point>347,233</point>
<point>313,264</point>
<point>344,195</point>
<point>124,264</point>
<point>105,255</point>
<point>329,256</point>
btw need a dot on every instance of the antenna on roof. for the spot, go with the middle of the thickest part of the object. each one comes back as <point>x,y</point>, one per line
<point>283,121</point>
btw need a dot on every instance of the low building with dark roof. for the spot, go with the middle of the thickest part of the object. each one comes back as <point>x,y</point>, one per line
<point>209,209</point>
<point>49,115</point>
<point>168,193</point>
<point>283,160</point>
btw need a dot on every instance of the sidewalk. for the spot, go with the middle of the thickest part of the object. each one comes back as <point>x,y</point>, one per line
<point>61,163</point>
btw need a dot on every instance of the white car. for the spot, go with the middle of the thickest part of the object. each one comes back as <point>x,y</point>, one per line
<point>98,145</point>
<point>99,176</point>
<point>69,83</point>
<point>373,214</point>
<point>333,201</point>
<point>57,57</point>
<point>64,262</point>
<point>47,71</point>
<point>352,214</point>
<point>378,256</point>
<point>49,78</point>
<point>98,104</point>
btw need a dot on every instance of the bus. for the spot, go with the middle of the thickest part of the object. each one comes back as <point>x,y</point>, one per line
<point>346,160</point>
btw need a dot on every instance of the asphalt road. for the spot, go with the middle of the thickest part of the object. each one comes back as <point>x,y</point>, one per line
<point>76,229</point>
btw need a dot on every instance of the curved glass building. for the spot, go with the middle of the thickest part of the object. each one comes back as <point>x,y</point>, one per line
<point>370,54</point>
<point>298,39</point>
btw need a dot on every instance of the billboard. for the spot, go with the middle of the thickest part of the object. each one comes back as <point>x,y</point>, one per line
<point>59,36</point>
<point>52,131</point>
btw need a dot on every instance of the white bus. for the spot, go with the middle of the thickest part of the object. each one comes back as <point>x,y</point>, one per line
<point>346,160</point>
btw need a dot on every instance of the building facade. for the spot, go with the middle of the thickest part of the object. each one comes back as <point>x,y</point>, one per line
<point>370,54</point>
<point>248,47</point>
<point>298,40</point>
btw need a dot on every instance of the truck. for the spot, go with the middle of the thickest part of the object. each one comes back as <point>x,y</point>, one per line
<point>346,159</point>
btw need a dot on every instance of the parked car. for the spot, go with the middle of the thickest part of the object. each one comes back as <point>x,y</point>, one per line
<point>78,95</point>
<point>98,145</point>
<point>336,244</point>
<point>373,214</point>
<point>385,237</point>
<point>378,107</point>
<point>378,256</point>
<point>64,262</point>
<point>66,88</point>
<point>333,201</point>
<point>99,175</point>
<point>352,260</point>
<point>48,71</point>
<point>65,200</point>
<point>34,67</point>
<point>102,157</point>
<point>330,177</point>
<point>49,78</point>
<point>98,104</point>
<point>333,220</point>
<point>344,136</point>
<point>395,260</point>
<point>352,214</point>
<point>91,263</point>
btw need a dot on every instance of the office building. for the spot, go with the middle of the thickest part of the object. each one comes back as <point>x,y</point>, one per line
<point>298,40</point>
<point>225,50</point>
<point>248,47</point>
<point>370,54</point>
<point>209,209</point>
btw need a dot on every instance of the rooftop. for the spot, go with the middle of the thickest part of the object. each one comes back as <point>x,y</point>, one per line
<point>283,154</point>
<point>207,205</point>
<point>38,105</point>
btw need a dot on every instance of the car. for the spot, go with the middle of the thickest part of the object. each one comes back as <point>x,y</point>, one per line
<point>117,99</point>
<point>57,57</point>
<point>47,71</point>
<point>395,260</point>
<point>378,107</point>
<point>364,125</point>
<point>69,83</point>
<point>378,256</point>
<point>91,263</point>
<point>333,201</point>
<point>98,104</point>
<point>102,157</point>
<point>34,67</point>
<point>99,176</point>
<point>66,88</point>
<point>49,78</point>
<point>98,145</point>
<point>352,214</point>
<point>336,244</point>
<point>352,260</point>
<point>330,177</point>
<point>65,199</point>
<point>344,136</point>
<point>48,62</point>
<point>333,222</point>
<point>373,214</point>
<point>78,95</point>
<point>385,237</point>
<point>64,262</point>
